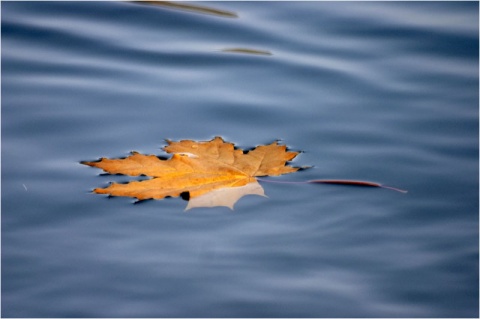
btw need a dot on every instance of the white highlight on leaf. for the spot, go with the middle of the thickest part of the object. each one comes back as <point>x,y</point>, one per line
<point>225,196</point>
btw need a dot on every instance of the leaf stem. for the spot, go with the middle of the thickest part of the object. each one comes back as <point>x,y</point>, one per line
<point>282,182</point>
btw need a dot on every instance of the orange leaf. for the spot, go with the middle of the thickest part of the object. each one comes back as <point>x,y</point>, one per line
<point>198,168</point>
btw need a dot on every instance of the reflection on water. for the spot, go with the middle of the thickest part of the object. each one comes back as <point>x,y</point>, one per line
<point>191,7</point>
<point>247,51</point>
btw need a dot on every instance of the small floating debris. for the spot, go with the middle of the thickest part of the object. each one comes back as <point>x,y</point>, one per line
<point>247,51</point>
<point>190,7</point>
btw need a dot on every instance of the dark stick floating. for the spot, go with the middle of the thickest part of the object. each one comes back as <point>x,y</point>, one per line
<point>338,182</point>
<point>354,183</point>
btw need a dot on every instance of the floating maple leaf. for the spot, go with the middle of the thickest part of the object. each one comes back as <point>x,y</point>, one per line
<point>213,173</point>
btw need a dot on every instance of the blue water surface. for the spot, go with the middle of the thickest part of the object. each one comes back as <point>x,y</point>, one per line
<point>378,91</point>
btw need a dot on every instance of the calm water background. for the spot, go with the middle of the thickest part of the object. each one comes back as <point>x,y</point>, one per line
<point>386,92</point>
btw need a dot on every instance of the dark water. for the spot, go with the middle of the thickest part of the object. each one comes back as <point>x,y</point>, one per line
<point>386,92</point>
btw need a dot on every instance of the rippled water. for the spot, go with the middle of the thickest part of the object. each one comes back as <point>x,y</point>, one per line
<point>378,91</point>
